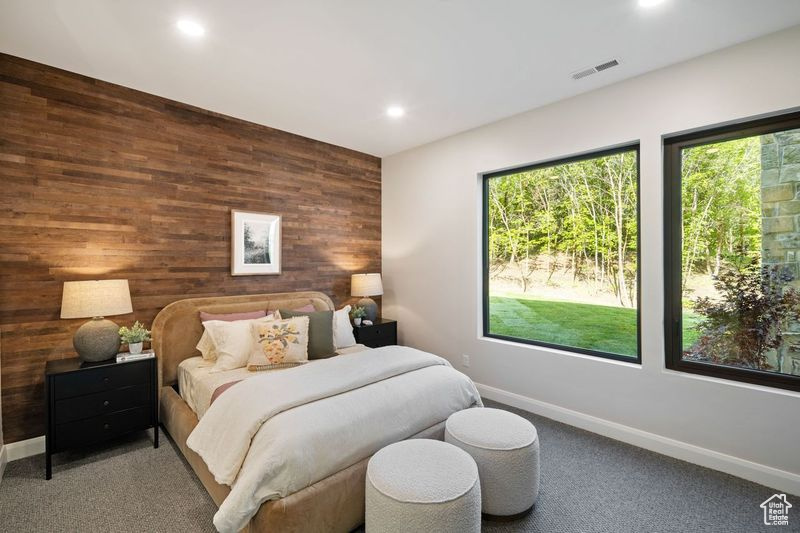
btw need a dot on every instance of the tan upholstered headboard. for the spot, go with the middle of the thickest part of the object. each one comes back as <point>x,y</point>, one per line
<point>177,328</point>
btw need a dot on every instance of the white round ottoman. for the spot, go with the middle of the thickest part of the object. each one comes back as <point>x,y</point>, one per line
<point>506,448</point>
<point>422,485</point>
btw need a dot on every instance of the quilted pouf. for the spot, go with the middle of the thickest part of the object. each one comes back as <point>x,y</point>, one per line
<point>506,448</point>
<point>422,485</point>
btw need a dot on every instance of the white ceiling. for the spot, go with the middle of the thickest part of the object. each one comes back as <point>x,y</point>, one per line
<point>327,69</point>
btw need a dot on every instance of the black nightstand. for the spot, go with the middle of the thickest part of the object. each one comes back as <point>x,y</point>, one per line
<point>87,403</point>
<point>383,332</point>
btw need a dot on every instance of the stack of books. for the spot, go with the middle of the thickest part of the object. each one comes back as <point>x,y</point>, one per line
<point>127,356</point>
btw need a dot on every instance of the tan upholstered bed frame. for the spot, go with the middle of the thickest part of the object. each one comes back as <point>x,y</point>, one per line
<point>335,503</point>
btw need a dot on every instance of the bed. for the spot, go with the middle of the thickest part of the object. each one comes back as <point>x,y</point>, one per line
<point>332,503</point>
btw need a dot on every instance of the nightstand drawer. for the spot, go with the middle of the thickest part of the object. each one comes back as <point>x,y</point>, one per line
<point>103,378</point>
<point>382,333</point>
<point>381,341</point>
<point>100,403</point>
<point>90,403</point>
<point>91,430</point>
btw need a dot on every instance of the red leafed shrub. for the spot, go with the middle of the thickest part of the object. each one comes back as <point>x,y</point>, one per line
<point>748,319</point>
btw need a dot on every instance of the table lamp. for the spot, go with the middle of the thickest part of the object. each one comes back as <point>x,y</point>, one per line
<point>367,285</point>
<point>97,339</point>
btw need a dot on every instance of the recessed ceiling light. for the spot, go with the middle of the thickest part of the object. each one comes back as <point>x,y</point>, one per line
<point>190,27</point>
<point>649,3</point>
<point>395,111</point>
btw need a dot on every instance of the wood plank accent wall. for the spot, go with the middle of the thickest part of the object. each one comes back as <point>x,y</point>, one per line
<point>102,181</point>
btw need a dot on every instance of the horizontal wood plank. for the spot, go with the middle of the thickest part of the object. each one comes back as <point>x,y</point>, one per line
<point>101,181</point>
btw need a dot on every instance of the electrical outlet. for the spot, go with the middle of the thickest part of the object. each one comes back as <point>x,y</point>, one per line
<point>465,360</point>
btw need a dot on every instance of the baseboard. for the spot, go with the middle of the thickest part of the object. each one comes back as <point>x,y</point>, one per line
<point>3,460</point>
<point>755,472</point>
<point>25,448</point>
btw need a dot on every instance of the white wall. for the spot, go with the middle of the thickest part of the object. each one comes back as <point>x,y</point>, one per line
<point>431,254</point>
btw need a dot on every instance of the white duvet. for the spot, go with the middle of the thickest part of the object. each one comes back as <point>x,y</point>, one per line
<point>272,435</point>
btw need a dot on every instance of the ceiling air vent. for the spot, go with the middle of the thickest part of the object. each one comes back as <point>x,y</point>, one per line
<point>607,65</point>
<point>593,70</point>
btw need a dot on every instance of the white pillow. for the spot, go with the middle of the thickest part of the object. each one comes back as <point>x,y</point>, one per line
<point>206,346</point>
<point>342,329</point>
<point>279,343</point>
<point>234,342</point>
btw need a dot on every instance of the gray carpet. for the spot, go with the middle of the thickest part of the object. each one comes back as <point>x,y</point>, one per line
<point>128,486</point>
<point>589,484</point>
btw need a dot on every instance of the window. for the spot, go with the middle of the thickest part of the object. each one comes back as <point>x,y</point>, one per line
<point>561,242</point>
<point>732,263</point>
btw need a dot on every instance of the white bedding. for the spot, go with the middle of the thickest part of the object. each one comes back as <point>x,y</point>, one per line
<point>197,383</point>
<point>277,433</point>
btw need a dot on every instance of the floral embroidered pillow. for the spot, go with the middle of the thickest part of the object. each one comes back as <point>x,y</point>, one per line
<point>279,343</point>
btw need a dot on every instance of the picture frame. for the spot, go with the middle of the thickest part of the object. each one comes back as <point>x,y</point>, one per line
<point>255,243</point>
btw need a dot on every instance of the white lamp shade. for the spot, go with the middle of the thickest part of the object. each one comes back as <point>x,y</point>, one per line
<point>87,299</point>
<point>366,285</point>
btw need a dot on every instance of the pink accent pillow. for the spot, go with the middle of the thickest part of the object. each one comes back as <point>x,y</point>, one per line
<point>232,317</point>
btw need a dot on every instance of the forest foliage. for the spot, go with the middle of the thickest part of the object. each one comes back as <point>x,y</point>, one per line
<point>721,200</point>
<point>580,216</point>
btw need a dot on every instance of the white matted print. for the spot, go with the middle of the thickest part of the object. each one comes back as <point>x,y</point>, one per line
<point>255,243</point>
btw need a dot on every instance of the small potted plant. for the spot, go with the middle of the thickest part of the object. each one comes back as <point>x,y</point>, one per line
<point>134,337</point>
<point>358,314</point>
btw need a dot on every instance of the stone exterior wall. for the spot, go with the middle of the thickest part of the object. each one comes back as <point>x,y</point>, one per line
<point>780,203</point>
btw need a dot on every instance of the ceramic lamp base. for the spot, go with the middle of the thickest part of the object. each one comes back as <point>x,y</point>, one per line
<point>370,307</point>
<point>97,340</point>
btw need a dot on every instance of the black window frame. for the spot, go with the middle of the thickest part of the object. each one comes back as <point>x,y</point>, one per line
<point>485,177</point>
<point>673,227</point>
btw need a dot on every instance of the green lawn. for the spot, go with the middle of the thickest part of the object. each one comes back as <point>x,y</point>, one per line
<point>690,333</point>
<point>596,327</point>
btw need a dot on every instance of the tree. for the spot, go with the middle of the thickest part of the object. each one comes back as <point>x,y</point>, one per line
<point>721,205</point>
<point>583,212</point>
<point>742,326</point>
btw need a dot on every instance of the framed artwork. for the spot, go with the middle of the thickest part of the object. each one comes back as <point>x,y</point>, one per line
<point>255,243</point>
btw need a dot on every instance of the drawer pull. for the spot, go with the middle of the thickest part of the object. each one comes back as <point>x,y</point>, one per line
<point>106,426</point>
<point>100,403</point>
<point>98,380</point>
